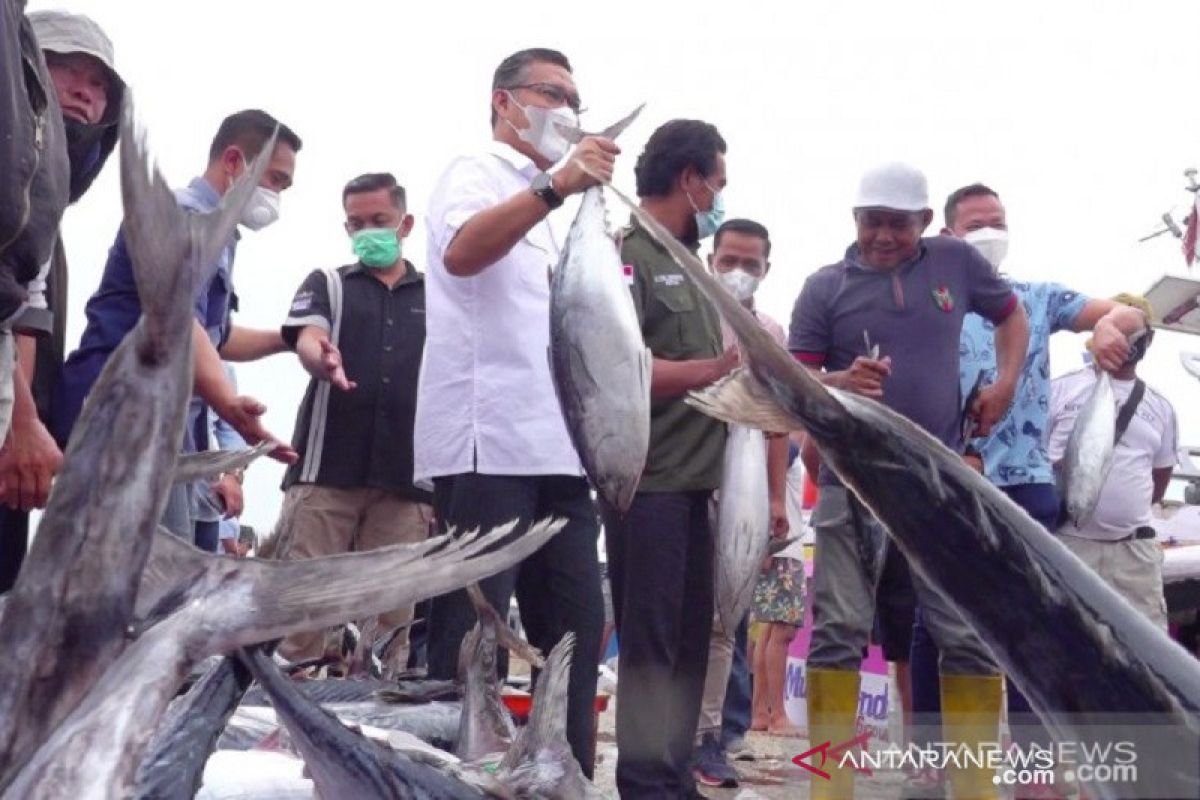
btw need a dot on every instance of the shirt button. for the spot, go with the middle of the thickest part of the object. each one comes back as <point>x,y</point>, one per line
<point>387,348</point>
<point>389,322</point>
<point>386,379</point>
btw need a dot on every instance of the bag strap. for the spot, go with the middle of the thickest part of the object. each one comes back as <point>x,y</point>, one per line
<point>1125,415</point>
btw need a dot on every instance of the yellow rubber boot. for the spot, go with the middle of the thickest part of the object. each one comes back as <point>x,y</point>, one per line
<point>832,714</point>
<point>970,715</point>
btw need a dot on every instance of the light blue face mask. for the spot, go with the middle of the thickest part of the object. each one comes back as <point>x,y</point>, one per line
<point>707,222</point>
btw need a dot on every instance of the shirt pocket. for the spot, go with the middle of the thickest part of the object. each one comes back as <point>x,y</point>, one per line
<point>680,335</point>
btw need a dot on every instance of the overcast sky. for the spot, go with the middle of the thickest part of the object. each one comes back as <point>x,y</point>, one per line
<point>1081,114</point>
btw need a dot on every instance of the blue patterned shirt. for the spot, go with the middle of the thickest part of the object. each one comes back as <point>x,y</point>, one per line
<point>1015,454</point>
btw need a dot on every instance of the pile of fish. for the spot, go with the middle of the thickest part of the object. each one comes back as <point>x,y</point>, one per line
<point>1077,650</point>
<point>109,615</point>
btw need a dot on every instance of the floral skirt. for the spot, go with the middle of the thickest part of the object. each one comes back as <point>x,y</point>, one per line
<point>779,593</point>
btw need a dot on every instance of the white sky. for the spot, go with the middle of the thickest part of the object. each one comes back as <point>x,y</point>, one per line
<point>1081,113</point>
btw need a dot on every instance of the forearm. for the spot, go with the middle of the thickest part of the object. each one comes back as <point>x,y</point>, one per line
<point>251,344</point>
<point>777,467</point>
<point>1012,341</point>
<point>488,236</point>
<point>676,378</point>
<point>308,350</point>
<point>26,357</point>
<point>210,381</point>
<point>1161,478</point>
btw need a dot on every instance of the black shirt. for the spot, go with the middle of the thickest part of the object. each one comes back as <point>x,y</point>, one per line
<point>362,438</point>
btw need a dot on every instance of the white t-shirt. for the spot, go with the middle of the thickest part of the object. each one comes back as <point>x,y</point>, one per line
<point>486,402</point>
<point>1148,443</point>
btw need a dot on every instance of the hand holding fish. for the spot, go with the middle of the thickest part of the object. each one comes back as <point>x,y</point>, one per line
<point>779,519</point>
<point>589,164</point>
<point>245,415</point>
<point>229,490</point>
<point>1109,345</point>
<point>28,462</point>
<point>866,376</point>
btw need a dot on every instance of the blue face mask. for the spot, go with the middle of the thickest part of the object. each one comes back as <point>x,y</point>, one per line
<point>707,222</point>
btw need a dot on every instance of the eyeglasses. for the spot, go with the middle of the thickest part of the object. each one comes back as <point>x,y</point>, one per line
<point>554,94</point>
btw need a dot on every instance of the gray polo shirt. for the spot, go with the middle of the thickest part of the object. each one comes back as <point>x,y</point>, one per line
<point>914,313</point>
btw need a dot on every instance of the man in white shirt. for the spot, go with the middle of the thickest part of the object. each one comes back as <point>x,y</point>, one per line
<point>489,432</point>
<point>1118,541</point>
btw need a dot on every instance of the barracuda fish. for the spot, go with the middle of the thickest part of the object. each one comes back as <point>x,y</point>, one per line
<point>66,618</point>
<point>486,728</point>
<point>1191,363</point>
<point>1089,454</point>
<point>344,763</point>
<point>743,524</point>
<point>540,763</point>
<point>1072,645</point>
<point>600,363</point>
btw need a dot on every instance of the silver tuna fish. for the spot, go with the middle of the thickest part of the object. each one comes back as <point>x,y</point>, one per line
<point>1071,644</point>
<point>743,524</point>
<point>600,363</point>
<point>1089,454</point>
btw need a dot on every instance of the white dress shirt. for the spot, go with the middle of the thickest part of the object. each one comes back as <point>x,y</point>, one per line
<point>486,402</point>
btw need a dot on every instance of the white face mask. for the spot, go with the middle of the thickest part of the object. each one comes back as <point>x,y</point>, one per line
<point>992,243</point>
<point>262,210</point>
<point>739,283</point>
<point>543,133</point>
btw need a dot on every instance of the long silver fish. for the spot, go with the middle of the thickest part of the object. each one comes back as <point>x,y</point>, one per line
<point>1072,645</point>
<point>344,763</point>
<point>66,618</point>
<point>600,363</point>
<point>743,524</point>
<point>1191,364</point>
<point>234,603</point>
<point>1089,454</point>
<point>540,763</point>
<point>486,727</point>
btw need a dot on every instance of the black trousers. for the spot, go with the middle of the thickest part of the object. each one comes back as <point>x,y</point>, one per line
<point>557,588</point>
<point>14,540</point>
<point>660,564</point>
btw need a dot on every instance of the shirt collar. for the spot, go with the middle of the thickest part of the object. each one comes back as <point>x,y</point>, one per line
<point>411,275</point>
<point>203,193</point>
<point>636,228</point>
<point>854,260</point>
<point>517,160</point>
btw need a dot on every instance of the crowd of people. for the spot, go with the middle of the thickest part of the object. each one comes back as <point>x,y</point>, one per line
<point>431,407</point>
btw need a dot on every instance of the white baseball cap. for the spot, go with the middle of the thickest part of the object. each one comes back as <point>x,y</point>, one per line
<point>895,186</point>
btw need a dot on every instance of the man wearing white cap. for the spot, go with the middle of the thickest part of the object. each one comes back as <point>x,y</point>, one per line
<point>88,90</point>
<point>885,322</point>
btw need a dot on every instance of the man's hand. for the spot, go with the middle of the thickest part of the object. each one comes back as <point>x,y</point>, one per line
<point>973,461</point>
<point>245,415</point>
<point>727,362</point>
<point>779,519</point>
<point>229,490</point>
<point>866,376</point>
<point>332,368</point>
<point>589,164</point>
<point>1109,345</point>
<point>28,461</point>
<point>233,547</point>
<point>990,406</point>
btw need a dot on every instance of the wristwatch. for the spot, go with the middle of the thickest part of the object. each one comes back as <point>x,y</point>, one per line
<point>543,187</point>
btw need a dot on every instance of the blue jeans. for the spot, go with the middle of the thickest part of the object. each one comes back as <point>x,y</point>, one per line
<point>735,714</point>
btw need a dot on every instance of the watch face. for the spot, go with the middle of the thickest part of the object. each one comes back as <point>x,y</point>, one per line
<point>541,181</point>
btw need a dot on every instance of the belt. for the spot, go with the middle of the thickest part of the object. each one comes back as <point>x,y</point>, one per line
<point>1141,532</point>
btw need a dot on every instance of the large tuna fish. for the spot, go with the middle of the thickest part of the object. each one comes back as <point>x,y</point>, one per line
<point>1089,454</point>
<point>1072,645</point>
<point>600,363</point>
<point>743,524</point>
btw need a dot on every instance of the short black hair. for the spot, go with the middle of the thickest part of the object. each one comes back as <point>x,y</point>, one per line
<point>250,130</point>
<point>510,73</point>
<point>746,226</point>
<point>958,195</point>
<point>672,148</point>
<point>374,181</point>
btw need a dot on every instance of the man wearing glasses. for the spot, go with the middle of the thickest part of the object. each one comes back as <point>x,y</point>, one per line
<point>489,432</point>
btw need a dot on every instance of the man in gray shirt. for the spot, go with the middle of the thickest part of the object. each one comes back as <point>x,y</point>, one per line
<point>885,322</point>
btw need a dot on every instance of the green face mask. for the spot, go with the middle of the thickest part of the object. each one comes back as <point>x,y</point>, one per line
<point>378,248</point>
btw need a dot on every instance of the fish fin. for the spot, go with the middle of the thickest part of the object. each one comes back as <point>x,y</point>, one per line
<point>506,637</point>
<point>217,227</point>
<point>172,571</point>
<point>548,720</point>
<point>155,227</point>
<point>618,127</point>
<point>737,399</point>
<point>211,463</point>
